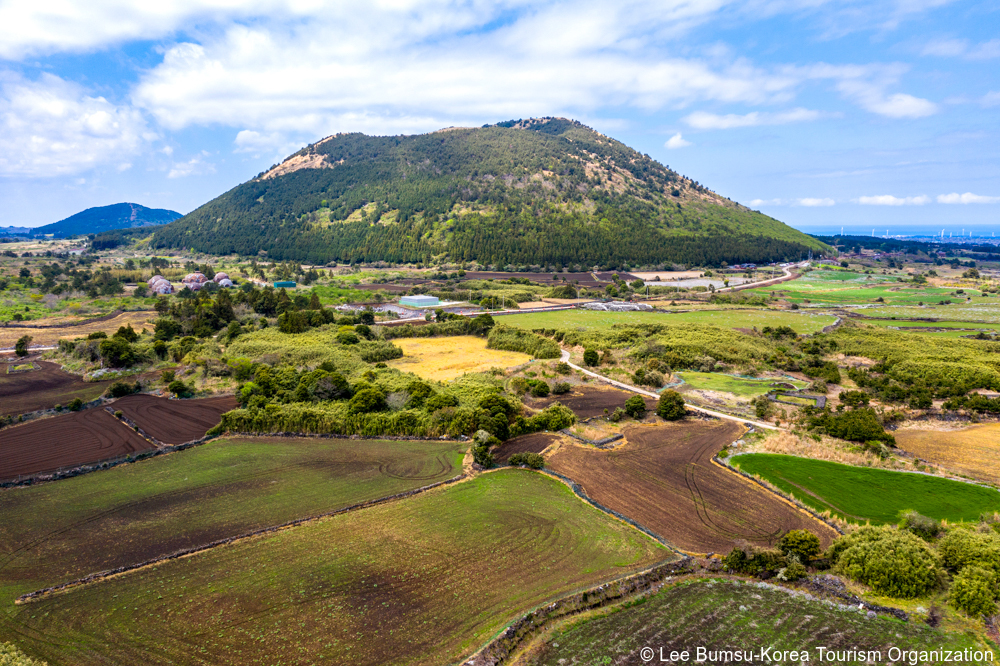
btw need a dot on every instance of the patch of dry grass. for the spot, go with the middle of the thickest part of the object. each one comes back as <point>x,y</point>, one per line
<point>443,359</point>
<point>50,336</point>
<point>973,451</point>
<point>827,448</point>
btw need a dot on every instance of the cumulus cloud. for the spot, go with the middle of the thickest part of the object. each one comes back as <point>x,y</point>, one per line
<point>196,166</point>
<point>967,198</point>
<point>812,203</point>
<point>676,141</point>
<point>890,200</point>
<point>52,127</point>
<point>961,48</point>
<point>808,202</point>
<point>703,120</point>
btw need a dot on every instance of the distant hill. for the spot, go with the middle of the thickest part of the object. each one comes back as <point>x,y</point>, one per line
<point>107,218</point>
<point>546,191</point>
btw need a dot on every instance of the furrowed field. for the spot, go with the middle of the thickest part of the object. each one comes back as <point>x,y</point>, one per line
<point>864,494</point>
<point>420,581</point>
<point>224,488</point>
<point>600,321</point>
<point>728,614</point>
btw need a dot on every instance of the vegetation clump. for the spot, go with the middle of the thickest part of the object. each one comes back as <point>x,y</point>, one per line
<point>892,562</point>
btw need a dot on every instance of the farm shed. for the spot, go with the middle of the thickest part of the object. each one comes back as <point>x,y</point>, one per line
<point>419,301</point>
<point>284,284</point>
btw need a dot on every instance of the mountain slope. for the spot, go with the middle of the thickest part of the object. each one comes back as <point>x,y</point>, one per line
<point>107,218</point>
<point>542,191</point>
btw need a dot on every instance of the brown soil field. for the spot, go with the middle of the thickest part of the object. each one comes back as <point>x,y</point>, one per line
<point>175,421</point>
<point>48,335</point>
<point>972,451</point>
<point>534,277</point>
<point>664,479</point>
<point>46,387</point>
<point>588,401</point>
<point>63,441</point>
<point>535,443</point>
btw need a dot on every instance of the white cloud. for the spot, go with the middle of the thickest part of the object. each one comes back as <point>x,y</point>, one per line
<point>51,127</point>
<point>704,120</point>
<point>991,98</point>
<point>766,202</point>
<point>812,203</point>
<point>196,166</point>
<point>889,200</point>
<point>955,48</point>
<point>808,202</point>
<point>676,141</point>
<point>967,198</point>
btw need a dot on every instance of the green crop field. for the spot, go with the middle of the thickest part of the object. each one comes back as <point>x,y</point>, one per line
<point>980,310</point>
<point>866,494</point>
<point>845,288</point>
<point>743,387</point>
<point>728,614</point>
<point>132,513</point>
<point>589,320</point>
<point>952,329</point>
<point>424,580</point>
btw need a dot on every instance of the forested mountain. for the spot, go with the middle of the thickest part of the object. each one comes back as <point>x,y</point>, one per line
<point>544,191</point>
<point>106,218</point>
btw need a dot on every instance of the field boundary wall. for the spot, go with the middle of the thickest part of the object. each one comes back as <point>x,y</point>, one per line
<point>502,646</point>
<point>599,443</point>
<point>773,491</point>
<point>184,552</point>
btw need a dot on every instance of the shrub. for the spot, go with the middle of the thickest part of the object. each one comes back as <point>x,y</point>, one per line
<point>481,455</point>
<point>963,547</point>
<point>539,389</point>
<point>97,335</point>
<point>514,339</point>
<point>890,561</point>
<point>858,425</point>
<point>670,406</point>
<point>560,388</point>
<point>635,407</point>
<point>167,376</point>
<point>440,401</point>
<point>924,527</point>
<point>802,543</point>
<point>348,338</point>
<point>10,655</point>
<point>367,400</point>
<point>617,415</point>
<point>750,560</point>
<point>762,406</point>
<point>179,388</point>
<point>563,368</point>
<point>119,389</point>
<point>21,346</point>
<point>854,398</point>
<point>75,405</point>
<point>973,591</point>
<point>793,572</point>
<point>532,460</point>
<point>591,358</point>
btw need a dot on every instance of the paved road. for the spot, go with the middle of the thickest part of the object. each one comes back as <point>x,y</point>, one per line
<point>789,274</point>
<point>651,394</point>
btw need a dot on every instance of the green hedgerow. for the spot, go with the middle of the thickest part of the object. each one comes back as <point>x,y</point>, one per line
<point>890,561</point>
<point>532,460</point>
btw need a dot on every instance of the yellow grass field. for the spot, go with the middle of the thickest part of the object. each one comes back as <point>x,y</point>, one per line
<point>49,336</point>
<point>443,359</point>
<point>972,451</point>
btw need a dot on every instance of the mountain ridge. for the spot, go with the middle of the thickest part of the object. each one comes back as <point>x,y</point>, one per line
<point>529,191</point>
<point>100,219</point>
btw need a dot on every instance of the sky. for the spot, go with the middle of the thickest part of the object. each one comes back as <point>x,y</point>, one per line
<point>872,116</point>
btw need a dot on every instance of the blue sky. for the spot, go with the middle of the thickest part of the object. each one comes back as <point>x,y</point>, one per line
<point>820,113</point>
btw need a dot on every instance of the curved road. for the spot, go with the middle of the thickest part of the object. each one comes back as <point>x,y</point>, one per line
<point>651,394</point>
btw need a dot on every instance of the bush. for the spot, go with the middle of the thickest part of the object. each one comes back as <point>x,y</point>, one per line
<point>890,561</point>
<point>179,388</point>
<point>348,338</point>
<point>440,401</point>
<point>560,388</point>
<point>750,560</point>
<point>635,407</point>
<point>926,528</point>
<point>802,543</point>
<point>167,376</point>
<point>10,655</point>
<point>21,346</point>
<point>974,591</point>
<point>119,389</point>
<point>963,547</point>
<point>75,405</point>
<point>514,339</point>
<point>563,368</point>
<point>481,455</point>
<point>591,358</point>
<point>762,406</point>
<point>858,425</point>
<point>367,400</point>
<point>532,460</point>
<point>793,572</point>
<point>854,398</point>
<point>539,389</point>
<point>670,406</point>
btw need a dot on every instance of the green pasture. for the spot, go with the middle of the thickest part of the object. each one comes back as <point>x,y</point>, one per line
<point>985,310</point>
<point>226,487</point>
<point>424,580</point>
<point>590,320</point>
<point>831,288</point>
<point>740,386</point>
<point>731,615</point>
<point>954,329</point>
<point>865,494</point>
<point>331,295</point>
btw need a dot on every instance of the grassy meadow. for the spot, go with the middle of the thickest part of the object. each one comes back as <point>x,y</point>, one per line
<point>860,494</point>
<point>739,386</point>
<point>601,321</point>
<point>421,581</point>
<point>223,488</point>
<point>833,287</point>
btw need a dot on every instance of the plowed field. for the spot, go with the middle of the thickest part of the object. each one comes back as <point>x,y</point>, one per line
<point>46,387</point>
<point>535,443</point>
<point>663,478</point>
<point>64,441</point>
<point>175,421</point>
<point>588,401</point>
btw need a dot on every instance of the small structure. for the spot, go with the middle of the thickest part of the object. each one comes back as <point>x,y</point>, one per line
<point>195,278</point>
<point>153,280</point>
<point>284,284</point>
<point>420,301</point>
<point>225,283</point>
<point>163,287</point>
<point>220,276</point>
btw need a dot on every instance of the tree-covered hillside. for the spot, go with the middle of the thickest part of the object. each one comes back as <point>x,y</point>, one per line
<point>106,218</point>
<point>544,191</point>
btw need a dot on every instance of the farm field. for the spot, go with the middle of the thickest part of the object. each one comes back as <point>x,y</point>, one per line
<point>739,386</point>
<point>588,320</point>
<point>66,440</point>
<point>534,443</point>
<point>726,614</point>
<point>588,401</point>
<point>49,385</point>
<point>822,292</point>
<point>50,335</point>
<point>981,310</point>
<point>421,581</point>
<point>865,494</point>
<point>175,421</point>
<point>447,358</point>
<point>944,329</point>
<point>973,451</point>
<point>220,489</point>
<point>663,478</point>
